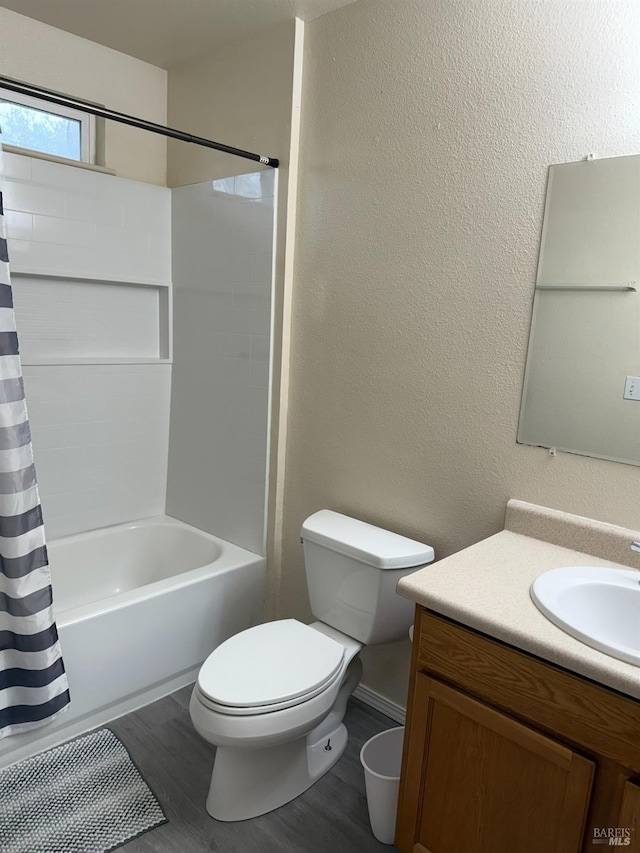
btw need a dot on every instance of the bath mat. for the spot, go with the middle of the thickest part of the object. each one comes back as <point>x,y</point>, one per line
<point>86,796</point>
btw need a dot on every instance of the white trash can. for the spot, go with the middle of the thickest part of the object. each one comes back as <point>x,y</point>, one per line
<point>381,757</point>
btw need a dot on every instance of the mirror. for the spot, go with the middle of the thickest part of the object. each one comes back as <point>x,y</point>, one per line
<point>581,389</point>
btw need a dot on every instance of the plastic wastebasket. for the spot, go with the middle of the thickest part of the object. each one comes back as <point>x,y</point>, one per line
<point>381,757</point>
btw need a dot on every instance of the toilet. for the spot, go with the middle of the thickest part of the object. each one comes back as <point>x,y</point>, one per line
<point>272,698</point>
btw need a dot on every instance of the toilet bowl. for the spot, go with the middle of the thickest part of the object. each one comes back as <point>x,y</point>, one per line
<point>272,698</point>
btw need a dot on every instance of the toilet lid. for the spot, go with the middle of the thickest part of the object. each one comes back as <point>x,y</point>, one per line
<point>270,664</point>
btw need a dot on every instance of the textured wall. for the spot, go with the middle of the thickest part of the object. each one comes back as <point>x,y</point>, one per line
<point>427,132</point>
<point>47,56</point>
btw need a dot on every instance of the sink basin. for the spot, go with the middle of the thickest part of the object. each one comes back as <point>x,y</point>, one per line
<point>597,605</point>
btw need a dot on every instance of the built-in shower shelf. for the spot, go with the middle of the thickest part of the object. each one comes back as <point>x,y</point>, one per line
<point>19,272</point>
<point>73,320</point>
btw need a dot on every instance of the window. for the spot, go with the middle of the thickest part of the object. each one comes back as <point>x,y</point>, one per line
<point>34,125</point>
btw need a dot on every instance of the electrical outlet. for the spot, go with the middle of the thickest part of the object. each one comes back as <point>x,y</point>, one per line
<point>632,388</point>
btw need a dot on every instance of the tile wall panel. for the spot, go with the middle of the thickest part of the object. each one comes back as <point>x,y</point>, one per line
<point>100,432</point>
<point>222,275</point>
<point>63,220</point>
<point>100,439</point>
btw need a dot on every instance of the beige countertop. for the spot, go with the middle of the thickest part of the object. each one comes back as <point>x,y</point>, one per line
<point>486,586</point>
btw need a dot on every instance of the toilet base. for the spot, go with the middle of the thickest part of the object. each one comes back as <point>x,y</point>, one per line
<point>246,783</point>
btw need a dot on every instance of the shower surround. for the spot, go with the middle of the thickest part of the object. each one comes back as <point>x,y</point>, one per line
<point>92,258</point>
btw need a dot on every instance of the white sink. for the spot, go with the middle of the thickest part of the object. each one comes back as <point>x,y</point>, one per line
<point>597,605</point>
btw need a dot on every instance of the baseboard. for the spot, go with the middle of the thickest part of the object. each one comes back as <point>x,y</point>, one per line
<point>380,703</point>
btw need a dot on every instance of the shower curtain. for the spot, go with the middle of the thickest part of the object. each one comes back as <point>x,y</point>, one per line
<point>33,684</point>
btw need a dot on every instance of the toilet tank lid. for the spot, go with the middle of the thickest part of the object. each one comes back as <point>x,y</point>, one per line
<point>379,548</point>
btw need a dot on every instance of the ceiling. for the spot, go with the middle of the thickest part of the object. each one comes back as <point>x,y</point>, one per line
<point>168,32</point>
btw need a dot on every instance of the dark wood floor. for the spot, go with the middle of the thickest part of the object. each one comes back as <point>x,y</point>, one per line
<point>331,817</point>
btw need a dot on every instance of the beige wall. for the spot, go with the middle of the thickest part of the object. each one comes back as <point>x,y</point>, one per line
<point>241,96</point>
<point>46,56</point>
<point>427,130</point>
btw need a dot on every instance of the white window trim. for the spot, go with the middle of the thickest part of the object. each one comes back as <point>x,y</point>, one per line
<point>87,122</point>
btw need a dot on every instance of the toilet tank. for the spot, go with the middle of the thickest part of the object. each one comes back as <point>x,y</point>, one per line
<point>352,571</point>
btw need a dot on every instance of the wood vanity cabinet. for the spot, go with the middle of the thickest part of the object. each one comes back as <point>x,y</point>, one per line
<point>505,753</point>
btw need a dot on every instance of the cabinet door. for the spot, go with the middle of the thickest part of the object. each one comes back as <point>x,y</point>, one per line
<point>477,781</point>
<point>629,819</point>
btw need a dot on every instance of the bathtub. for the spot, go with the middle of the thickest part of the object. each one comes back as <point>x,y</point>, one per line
<point>139,606</point>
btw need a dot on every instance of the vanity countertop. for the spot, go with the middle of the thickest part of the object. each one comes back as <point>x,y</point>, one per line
<point>486,586</point>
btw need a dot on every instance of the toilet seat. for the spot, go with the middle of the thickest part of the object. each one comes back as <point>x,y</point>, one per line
<point>268,668</point>
<point>236,711</point>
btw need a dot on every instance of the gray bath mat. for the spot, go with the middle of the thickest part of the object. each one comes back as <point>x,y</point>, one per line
<point>86,796</point>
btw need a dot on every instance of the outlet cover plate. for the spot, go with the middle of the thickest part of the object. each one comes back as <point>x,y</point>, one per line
<point>632,388</point>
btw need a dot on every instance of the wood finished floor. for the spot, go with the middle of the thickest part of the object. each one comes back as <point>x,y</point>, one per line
<point>331,817</point>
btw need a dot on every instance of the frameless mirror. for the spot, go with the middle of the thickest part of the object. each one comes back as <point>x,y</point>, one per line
<point>582,381</point>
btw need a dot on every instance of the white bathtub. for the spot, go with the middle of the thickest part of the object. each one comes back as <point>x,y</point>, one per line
<point>139,607</point>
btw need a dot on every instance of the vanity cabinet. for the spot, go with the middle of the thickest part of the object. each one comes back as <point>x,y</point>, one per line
<point>469,755</point>
<point>505,753</point>
<point>629,815</point>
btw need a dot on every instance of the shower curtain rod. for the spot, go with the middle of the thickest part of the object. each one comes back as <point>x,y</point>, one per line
<point>102,112</point>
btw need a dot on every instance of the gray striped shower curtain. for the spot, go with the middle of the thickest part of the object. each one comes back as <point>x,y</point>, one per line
<point>33,684</point>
